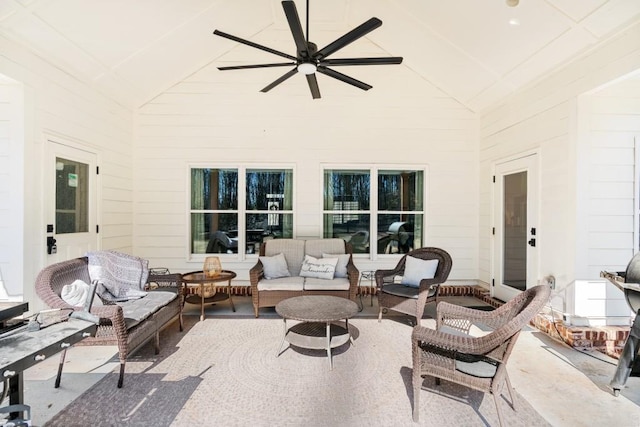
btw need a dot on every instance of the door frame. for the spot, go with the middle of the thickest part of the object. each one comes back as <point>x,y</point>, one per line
<point>529,162</point>
<point>63,147</point>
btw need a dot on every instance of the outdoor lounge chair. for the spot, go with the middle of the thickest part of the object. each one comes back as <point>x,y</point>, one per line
<point>450,353</point>
<point>427,268</point>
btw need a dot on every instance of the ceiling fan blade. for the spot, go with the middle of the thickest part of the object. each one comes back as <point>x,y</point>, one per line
<point>342,77</point>
<point>348,38</point>
<point>245,67</point>
<point>296,27</point>
<point>363,61</point>
<point>280,80</point>
<point>252,44</point>
<point>313,86</point>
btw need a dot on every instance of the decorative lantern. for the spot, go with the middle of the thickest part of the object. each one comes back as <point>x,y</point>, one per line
<point>212,266</point>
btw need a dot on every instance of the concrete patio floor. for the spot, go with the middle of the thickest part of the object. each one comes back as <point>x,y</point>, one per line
<point>567,387</point>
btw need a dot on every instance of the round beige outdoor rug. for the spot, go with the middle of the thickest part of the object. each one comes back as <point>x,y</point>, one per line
<point>224,372</point>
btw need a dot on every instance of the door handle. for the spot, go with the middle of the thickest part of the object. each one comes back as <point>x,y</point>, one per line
<point>532,242</point>
<point>51,245</point>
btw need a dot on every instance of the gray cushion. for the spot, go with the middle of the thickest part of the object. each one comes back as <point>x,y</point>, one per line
<point>292,249</point>
<point>317,247</point>
<point>482,368</point>
<point>275,266</point>
<point>341,266</point>
<point>135,311</point>
<point>404,291</point>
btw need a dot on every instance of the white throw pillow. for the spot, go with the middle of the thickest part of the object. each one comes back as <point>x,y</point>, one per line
<point>275,266</point>
<point>341,266</point>
<point>416,269</point>
<point>76,294</point>
<point>322,268</point>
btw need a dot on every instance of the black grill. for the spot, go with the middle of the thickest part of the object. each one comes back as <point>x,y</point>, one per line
<point>628,282</point>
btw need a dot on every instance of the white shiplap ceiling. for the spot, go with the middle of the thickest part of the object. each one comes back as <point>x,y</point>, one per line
<point>133,50</point>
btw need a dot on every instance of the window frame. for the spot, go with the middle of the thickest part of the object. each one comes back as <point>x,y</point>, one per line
<point>241,210</point>
<point>373,210</point>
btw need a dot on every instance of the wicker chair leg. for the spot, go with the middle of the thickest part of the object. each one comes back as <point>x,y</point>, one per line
<point>156,342</point>
<point>181,322</point>
<point>255,311</point>
<point>417,387</point>
<point>60,365</point>
<point>513,401</point>
<point>379,314</point>
<point>121,377</point>
<point>496,399</point>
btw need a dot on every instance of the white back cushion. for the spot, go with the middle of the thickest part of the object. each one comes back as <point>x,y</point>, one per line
<point>416,269</point>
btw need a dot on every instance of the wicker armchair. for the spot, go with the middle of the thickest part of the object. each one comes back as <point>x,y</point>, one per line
<point>450,353</point>
<point>411,300</point>
<point>113,326</point>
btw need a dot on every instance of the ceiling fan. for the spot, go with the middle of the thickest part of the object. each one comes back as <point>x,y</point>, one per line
<point>308,59</point>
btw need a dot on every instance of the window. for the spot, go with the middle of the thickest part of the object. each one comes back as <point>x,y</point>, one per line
<point>235,208</point>
<point>72,196</point>
<point>392,210</point>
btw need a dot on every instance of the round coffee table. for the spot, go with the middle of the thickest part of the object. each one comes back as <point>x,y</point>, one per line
<point>317,314</point>
<point>198,280</point>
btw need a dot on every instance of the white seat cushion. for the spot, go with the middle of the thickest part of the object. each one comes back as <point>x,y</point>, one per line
<point>335,284</point>
<point>295,283</point>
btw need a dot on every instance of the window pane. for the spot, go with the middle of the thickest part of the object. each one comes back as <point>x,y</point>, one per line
<point>515,231</point>
<point>353,228</point>
<point>72,196</point>
<point>346,190</point>
<point>214,189</point>
<point>261,227</point>
<point>214,233</point>
<point>398,234</point>
<point>400,190</point>
<point>268,189</point>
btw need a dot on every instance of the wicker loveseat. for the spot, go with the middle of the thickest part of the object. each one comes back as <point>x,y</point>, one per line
<point>268,291</point>
<point>128,324</point>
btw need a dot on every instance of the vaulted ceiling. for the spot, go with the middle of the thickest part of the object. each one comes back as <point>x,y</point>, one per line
<point>476,51</point>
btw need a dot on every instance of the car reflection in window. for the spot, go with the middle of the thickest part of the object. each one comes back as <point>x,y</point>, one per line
<point>226,242</point>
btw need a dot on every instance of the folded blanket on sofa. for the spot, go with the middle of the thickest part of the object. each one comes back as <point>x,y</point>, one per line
<point>121,276</point>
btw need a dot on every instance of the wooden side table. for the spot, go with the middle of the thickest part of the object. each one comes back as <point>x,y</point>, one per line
<point>199,281</point>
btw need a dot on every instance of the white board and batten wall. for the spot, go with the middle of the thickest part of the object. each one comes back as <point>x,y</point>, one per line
<point>609,125</point>
<point>11,189</point>
<point>144,156</point>
<point>401,122</point>
<point>56,106</point>
<point>585,144</point>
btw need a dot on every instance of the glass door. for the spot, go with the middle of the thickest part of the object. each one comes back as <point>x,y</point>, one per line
<point>71,222</point>
<point>515,218</point>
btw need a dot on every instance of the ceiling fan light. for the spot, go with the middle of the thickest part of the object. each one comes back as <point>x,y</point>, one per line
<point>307,68</point>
